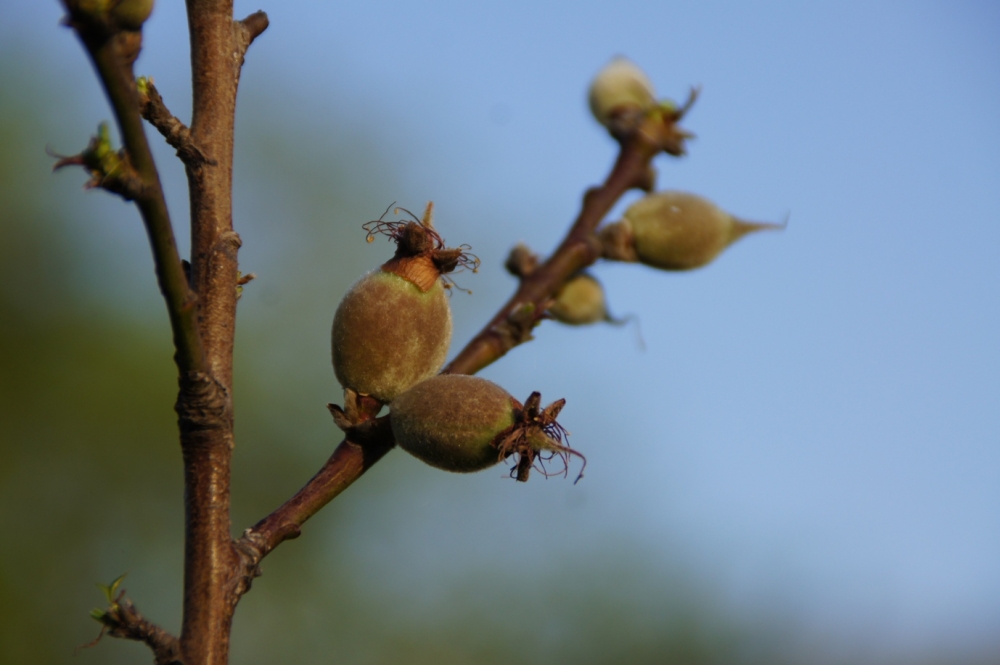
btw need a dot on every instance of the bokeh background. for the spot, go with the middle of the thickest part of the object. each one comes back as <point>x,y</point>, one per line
<point>802,466</point>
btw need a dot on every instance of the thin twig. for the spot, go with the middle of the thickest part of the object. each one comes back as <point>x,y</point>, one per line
<point>156,113</point>
<point>123,620</point>
<point>513,322</point>
<point>251,28</point>
<point>511,326</point>
<point>119,84</point>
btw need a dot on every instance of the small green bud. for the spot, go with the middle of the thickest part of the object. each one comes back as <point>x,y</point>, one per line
<point>620,87</point>
<point>580,302</point>
<point>131,14</point>
<point>676,231</point>
<point>464,423</point>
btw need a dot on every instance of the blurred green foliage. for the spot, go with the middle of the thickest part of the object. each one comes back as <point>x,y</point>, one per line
<point>90,478</point>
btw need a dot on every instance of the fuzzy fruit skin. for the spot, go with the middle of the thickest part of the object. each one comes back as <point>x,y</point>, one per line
<point>389,335</point>
<point>450,420</point>
<point>679,231</point>
<point>580,302</point>
<point>619,85</point>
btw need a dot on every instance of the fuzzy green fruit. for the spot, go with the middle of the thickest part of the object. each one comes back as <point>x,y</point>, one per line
<point>388,334</point>
<point>580,302</point>
<point>449,421</point>
<point>463,423</point>
<point>680,231</point>
<point>620,86</point>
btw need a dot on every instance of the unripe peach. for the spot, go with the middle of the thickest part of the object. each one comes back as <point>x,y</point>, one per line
<point>463,423</point>
<point>389,335</point>
<point>580,302</point>
<point>449,421</point>
<point>620,87</point>
<point>679,231</point>
<point>393,327</point>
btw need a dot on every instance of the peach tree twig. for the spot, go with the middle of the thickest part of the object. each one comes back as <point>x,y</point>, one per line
<point>102,42</point>
<point>511,326</point>
<point>122,619</point>
<point>201,301</point>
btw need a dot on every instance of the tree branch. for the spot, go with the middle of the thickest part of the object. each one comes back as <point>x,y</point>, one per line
<point>105,50</point>
<point>347,463</point>
<point>156,113</point>
<point>123,620</point>
<point>511,326</point>
<point>211,562</point>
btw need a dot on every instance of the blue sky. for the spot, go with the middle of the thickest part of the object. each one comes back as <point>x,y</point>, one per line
<point>815,424</point>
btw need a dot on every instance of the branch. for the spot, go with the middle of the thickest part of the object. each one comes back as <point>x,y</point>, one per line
<point>368,440</point>
<point>178,136</point>
<point>211,563</point>
<point>105,49</point>
<point>250,29</point>
<point>511,326</point>
<point>121,619</point>
<point>347,463</point>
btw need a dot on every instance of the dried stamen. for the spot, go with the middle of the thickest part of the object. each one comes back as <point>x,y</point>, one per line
<point>536,438</point>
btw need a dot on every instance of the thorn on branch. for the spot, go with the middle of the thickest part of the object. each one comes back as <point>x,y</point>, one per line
<point>156,113</point>
<point>109,169</point>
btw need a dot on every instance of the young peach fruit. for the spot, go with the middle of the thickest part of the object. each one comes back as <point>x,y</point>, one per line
<point>680,231</point>
<point>393,327</point>
<point>389,335</point>
<point>463,423</point>
<point>580,302</point>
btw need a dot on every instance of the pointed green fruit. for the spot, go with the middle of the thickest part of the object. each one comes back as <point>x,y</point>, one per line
<point>463,423</point>
<point>680,231</point>
<point>619,88</point>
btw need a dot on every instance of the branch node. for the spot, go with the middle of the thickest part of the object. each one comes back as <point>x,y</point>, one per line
<point>251,28</point>
<point>202,403</point>
<point>521,261</point>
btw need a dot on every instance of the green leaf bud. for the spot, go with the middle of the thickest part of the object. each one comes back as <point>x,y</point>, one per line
<point>620,87</point>
<point>679,231</point>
